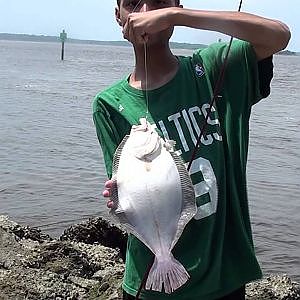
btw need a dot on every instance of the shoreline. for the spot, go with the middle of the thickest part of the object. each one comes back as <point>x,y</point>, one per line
<point>85,262</point>
<point>55,39</point>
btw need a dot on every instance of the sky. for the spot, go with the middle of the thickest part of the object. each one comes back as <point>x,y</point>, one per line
<point>94,19</point>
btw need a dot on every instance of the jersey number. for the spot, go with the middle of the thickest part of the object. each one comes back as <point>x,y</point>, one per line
<point>207,186</point>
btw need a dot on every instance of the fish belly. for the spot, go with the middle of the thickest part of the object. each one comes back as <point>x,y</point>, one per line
<point>150,205</point>
<point>151,198</point>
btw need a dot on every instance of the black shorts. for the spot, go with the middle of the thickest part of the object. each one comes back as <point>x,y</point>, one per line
<point>236,295</point>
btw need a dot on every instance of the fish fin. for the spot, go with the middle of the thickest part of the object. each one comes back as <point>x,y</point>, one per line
<point>119,215</point>
<point>117,155</point>
<point>188,197</point>
<point>116,210</point>
<point>119,210</point>
<point>168,273</point>
<point>114,195</point>
<point>170,145</point>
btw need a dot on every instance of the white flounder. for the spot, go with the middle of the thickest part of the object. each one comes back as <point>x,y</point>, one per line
<point>154,200</point>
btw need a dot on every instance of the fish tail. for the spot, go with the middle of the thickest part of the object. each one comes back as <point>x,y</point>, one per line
<point>168,273</point>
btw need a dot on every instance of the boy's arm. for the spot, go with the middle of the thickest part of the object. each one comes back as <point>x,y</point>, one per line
<point>267,36</point>
<point>107,136</point>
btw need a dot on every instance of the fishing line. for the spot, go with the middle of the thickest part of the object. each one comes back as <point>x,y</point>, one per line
<point>136,6</point>
<point>146,80</point>
<point>145,67</point>
<point>216,95</point>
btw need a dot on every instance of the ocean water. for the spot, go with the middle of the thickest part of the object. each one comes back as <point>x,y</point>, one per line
<point>51,171</point>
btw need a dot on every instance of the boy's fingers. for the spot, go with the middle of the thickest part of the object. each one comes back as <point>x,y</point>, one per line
<point>110,204</point>
<point>108,184</point>
<point>106,193</point>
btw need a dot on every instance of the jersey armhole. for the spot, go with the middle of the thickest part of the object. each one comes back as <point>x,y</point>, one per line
<point>265,75</point>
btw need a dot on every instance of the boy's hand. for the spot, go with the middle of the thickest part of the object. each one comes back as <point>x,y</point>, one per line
<point>109,185</point>
<point>141,25</point>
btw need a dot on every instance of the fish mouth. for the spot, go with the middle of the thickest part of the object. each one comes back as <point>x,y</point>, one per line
<point>144,141</point>
<point>143,126</point>
<point>149,150</point>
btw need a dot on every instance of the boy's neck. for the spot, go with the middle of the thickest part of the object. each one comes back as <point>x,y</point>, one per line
<point>162,66</point>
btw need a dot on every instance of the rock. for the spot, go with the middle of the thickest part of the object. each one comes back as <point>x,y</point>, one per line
<point>279,287</point>
<point>98,231</point>
<point>34,266</point>
<point>84,283</point>
<point>22,232</point>
<point>80,265</point>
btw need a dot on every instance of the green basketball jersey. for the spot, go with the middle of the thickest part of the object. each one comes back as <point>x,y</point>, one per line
<point>216,247</point>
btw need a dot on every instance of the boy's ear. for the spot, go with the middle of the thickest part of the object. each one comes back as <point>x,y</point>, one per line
<point>117,15</point>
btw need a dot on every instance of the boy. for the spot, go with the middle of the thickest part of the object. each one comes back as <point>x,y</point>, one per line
<point>216,247</point>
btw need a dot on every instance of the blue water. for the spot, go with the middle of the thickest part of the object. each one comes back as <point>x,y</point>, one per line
<point>52,174</point>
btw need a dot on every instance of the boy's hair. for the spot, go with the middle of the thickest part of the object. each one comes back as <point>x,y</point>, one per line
<point>119,1</point>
